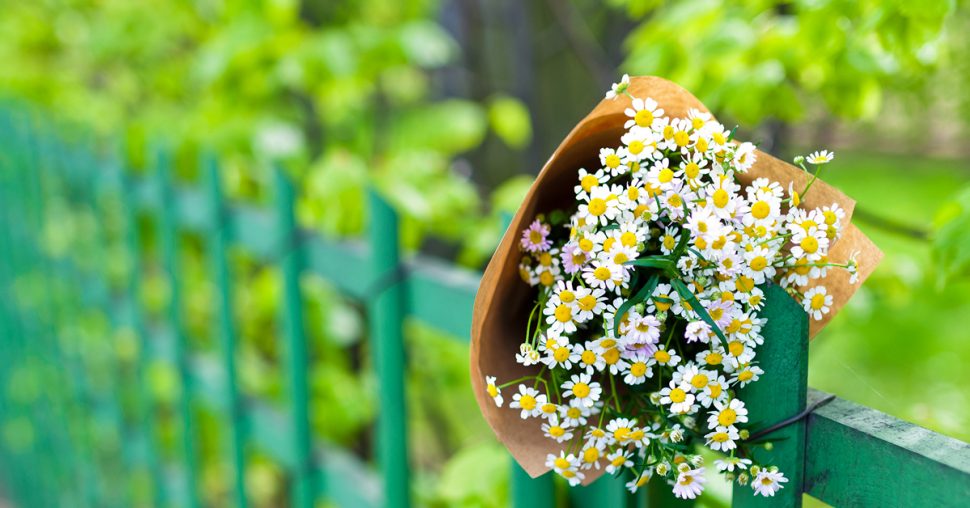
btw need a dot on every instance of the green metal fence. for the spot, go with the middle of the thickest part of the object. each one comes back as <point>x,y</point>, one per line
<point>66,439</point>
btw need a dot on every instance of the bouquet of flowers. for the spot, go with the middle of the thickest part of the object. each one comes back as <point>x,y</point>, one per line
<point>644,317</point>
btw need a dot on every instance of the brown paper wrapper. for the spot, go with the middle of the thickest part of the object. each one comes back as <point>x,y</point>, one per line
<point>503,300</point>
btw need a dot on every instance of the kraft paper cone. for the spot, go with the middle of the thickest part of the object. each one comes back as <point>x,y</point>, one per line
<point>503,300</point>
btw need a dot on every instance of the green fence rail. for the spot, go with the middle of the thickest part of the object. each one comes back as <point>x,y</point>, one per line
<point>67,440</point>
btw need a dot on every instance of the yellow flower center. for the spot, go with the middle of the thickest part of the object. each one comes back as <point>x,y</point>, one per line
<point>597,206</point>
<point>643,118</point>
<point>592,454</point>
<point>527,402</point>
<point>661,356</point>
<point>556,431</point>
<point>622,433</point>
<point>612,161</point>
<point>611,356</point>
<point>535,237</point>
<point>635,146</point>
<point>691,170</point>
<point>715,390</point>
<point>545,259</point>
<point>818,301</point>
<point>585,245</point>
<point>713,358</point>
<point>561,354</point>
<point>721,198</point>
<point>546,278</point>
<point>665,175</point>
<point>760,209</point>
<point>638,369</point>
<point>563,313</point>
<point>745,375</point>
<point>759,263</point>
<point>573,412</point>
<point>736,348</point>
<point>699,381</point>
<point>581,390</point>
<point>809,244</point>
<point>492,391</point>
<point>677,395</point>
<point>587,302</point>
<point>602,273</point>
<point>588,357</point>
<point>719,437</point>
<point>727,417</point>
<point>681,138</point>
<point>628,239</point>
<point>588,182</point>
<point>669,242</point>
<point>567,296</point>
<point>562,463</point>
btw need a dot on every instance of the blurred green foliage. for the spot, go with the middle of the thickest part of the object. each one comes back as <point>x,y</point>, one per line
<point>350,94</point>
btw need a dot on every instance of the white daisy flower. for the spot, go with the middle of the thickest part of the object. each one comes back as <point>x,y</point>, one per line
<point>582,388</point>
<point>727,414</point>
<point>588,181</point>
<point>639,370</point>
<point>529,400</point>
<point>817,302</point>
<point>493,390</point>
<point>767,482</point>
<point>590,456</point>
<point>729,464</point>
<point>690,483</point>
<point>640,481</point>
<point>566,466</point>
<point>619,459</point>
<point>820,157</point>
<point>618,89</point>
<point>722,438</point>
<point>575,413</point>
<point>643,113</point>
<point>678,397</point>
<point>554,429</point>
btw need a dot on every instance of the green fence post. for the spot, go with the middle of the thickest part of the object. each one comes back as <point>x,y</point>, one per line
<point>218,245</point>
<point>170,256</point>
<point>385,317</point>
<point>780,394</point>
<point>146,402</point>
<point>297,351</point>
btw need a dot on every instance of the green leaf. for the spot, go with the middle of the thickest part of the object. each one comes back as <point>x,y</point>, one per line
<point>686,294</point>
<point>661,262</point>
<point>639,297</point>
<point>510,120</point>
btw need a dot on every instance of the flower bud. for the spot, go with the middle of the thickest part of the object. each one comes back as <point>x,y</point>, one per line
<point>743,479</point>
<point>744,434</point>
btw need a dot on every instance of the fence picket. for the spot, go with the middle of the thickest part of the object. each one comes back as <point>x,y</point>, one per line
<point>218,245</point>
<point>296,350</point>
<point>385,309</point>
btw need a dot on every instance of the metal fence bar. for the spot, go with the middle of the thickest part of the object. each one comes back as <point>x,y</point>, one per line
<point>296,351</point>
<point>145,397</point>
<point>170,258</point>
<point>218,244</point>
<point>386,317</point>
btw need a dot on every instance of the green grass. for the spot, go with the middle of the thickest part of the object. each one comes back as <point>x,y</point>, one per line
<point>902,343</point>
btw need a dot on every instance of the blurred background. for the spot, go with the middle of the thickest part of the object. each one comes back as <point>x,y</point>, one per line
<point>449,108</point>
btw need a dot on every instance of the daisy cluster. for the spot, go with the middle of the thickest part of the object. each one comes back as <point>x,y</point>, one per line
<point>646,318</point>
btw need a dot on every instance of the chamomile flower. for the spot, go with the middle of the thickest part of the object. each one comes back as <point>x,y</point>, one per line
<point>618,89</point>
<point>619,459</point>
<point>554,429</point>
<point>559,316</point>
<point>642,113</point>
<point>566,466</point>
<point>722,438</point>
<point>727,414</point>
<point>820,157</point>
<point>663,356</point>
<point>817,302</point>
<point>639,370</point>
<point>581,388</point>
<point>689,483</point>
<point>767,482</point>
<point>529,400</point>
<point>678,397</point>
<point>746,373</point>
<point>642,479</point>
<point>587,181</point>
<point>589,303</point>
<point>729,464</point>
<point>590,456</point>
<point>601,205</point>
<point>493,390</point>
<point>527,355</point>
<point>575,413</point>
<point>603,273</point>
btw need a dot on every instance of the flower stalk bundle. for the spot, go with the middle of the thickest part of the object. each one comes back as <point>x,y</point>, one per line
<point>639,291</point>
